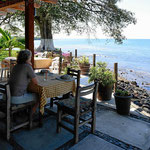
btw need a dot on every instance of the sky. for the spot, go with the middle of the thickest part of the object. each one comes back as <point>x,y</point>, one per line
<point>141,30</point>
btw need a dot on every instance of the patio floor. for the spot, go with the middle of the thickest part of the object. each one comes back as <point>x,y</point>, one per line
<point>113,132</point>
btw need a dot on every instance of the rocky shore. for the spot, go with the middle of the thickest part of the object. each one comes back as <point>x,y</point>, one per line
<point>141,97</point>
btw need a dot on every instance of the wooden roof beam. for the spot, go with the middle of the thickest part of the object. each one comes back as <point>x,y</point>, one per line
<point>17,5</point>
<point>9,3</point>
<point>50,1</point>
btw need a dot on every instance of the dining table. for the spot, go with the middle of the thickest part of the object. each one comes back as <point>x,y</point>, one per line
<point>49,86</point>
<point>42,63</point>
<point>39,63</point>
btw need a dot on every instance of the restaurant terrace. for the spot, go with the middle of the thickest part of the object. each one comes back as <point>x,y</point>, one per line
<point>69,112</point>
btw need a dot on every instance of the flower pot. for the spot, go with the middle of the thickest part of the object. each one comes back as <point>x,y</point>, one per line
<point>123,104</point>
<point>104,92</point>
<point>85,68</point>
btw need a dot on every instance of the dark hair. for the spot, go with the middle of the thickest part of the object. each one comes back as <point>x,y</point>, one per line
<point>23,56</point>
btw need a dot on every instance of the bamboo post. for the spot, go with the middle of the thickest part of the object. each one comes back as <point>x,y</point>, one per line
<point>116,75</point>
<point>94,60</point>
<point>75,53</point>
<point>60,61</point>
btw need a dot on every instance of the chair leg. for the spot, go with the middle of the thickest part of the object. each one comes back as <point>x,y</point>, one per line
<point>8,128</point>
<point>59,113</point>
<point>76,129</point>
<point>51,102</point>
<point>93,123</point>
<point>5,73</point>
<point>40,118</point>
<point>30,119</point>
<point>1,74</point>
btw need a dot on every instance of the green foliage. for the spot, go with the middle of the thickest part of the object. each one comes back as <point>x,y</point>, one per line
<point>21,40</point>
<point>120,92</point>
<point>7,42</point>
<point>102,64</point>
<point>84,60</point>
<point>72,65</point>
<point>5,53</point>
<point>68,15</point>
<point>102,74</point>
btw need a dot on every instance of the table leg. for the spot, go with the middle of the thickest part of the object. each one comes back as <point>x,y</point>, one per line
<point>51,102</point>
<point>40,118</point>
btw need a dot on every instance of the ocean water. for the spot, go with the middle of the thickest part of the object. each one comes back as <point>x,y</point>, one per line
<point>133,56</point>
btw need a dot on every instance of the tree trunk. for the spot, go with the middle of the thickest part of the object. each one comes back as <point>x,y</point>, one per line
<point>9,52</point>
<point>45,26</point>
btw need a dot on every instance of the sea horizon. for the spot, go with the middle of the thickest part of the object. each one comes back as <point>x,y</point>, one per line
<point>132,56</point>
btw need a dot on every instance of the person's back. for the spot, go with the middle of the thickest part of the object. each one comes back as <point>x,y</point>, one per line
<point>20,78</point>
<point>22,73</point>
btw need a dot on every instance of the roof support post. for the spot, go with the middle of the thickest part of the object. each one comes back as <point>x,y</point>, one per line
<point>29,27</point>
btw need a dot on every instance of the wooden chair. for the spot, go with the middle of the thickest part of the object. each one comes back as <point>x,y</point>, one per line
<point>12,64</point>
<point>77,107</point>
<point>73,73</point>
<point>9,110</point>
<point>4,69</point>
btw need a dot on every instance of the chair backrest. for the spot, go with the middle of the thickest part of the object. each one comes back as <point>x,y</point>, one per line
<point>12,64</point>
<point>5,64</point>
<point>74,73</point>
<point>83,91</point>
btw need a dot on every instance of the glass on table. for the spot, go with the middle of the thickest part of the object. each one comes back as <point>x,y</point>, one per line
<point>45,75</point>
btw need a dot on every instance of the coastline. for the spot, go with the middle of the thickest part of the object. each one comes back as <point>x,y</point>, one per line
<point>141,78</point>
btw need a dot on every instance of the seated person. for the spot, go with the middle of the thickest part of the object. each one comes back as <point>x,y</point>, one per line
<point>22,73</point>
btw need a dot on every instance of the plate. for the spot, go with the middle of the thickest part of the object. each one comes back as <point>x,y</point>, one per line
<point>41,73</point>
<point>59,78</point>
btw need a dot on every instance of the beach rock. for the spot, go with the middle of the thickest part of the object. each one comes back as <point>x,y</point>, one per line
<point>127,82</point>
<point>138,103</point>
<point>134,83</point>
<point>145,94</point>
<point>146,107</point>
<point>135,91</point>
<point>141,97</point>
<point>147,84</point>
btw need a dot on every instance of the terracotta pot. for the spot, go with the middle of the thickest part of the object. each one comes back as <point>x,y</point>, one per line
<point>123,104</point>
<point>104,92</point>
<point>85,68</point>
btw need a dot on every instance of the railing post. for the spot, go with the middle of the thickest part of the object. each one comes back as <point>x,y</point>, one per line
<point>70,58</point>
<point>75,53</point>
<point>116,75</point>
<point>60,61</point>
<point>94,60</point>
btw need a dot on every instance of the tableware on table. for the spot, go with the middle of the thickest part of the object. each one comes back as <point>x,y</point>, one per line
<point>45,75</point>
<point>65,78</point>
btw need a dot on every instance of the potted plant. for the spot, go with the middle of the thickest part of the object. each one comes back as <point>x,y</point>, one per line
<point>84,65</point>
<point>123,101</point>
<point>106,80</point>
<point>72,65</point>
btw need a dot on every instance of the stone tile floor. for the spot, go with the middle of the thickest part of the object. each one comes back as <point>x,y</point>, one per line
<point>112,130</point>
